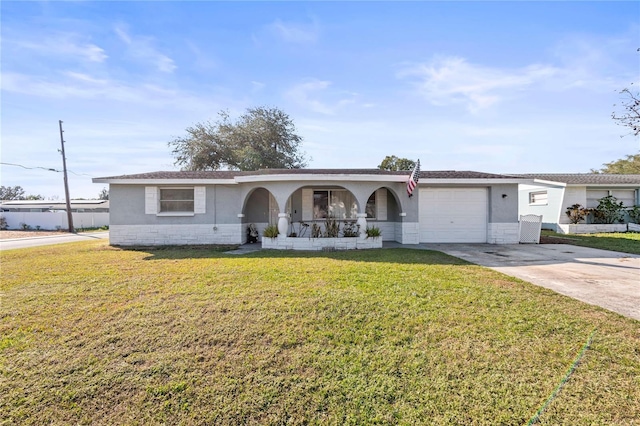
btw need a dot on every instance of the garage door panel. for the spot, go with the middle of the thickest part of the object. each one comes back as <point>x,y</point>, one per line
<point>453,214</point>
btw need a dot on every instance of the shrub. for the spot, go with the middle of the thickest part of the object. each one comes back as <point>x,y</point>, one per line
<point>373,232</point>
<point>331,228</point>
<point>576,213</point>
<point>316,231</point>
<point>3,223</point>
<point>270,231</point>
<point>609,210</point>
<point>634,214</point>
<point>24,226</point>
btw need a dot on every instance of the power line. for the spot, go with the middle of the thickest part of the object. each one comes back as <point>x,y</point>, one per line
<point>45,168</point>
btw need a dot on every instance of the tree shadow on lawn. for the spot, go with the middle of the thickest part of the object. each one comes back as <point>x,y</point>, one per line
<point>384,255</point>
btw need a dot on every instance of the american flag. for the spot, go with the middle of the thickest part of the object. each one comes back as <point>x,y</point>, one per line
<point>413,179</point>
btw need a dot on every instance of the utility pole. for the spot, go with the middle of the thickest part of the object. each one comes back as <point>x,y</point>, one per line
<point>66,181</point>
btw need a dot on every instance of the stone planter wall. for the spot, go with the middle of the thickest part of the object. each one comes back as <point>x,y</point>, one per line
<point>582,228</point>
<point>320,244</point>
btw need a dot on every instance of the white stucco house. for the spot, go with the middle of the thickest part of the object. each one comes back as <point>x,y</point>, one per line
<point>549,195</point>
<point>216,207</point>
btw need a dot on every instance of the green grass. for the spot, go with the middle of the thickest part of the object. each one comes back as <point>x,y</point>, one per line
<point>626,242</point>
<point>92,334</point>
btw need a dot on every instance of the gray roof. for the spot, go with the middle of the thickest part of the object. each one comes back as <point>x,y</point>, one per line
<point>227,174</point>
<point>585,178</point>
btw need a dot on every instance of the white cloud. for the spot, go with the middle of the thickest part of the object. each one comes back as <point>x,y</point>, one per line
<point>597,63</point>
<point>65,45</point>
<point>75,85</point>
<point>451,80</point>
<point>296,32</point>
<point>307,95</point>
<point>302,94</point>
<point>202,60</point>
<point>142,49</point>
<point>257,86</point>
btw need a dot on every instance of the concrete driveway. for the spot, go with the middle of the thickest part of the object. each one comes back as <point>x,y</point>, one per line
<point>599,277</point>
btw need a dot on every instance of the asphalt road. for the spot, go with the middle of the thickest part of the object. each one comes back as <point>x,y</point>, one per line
<point>19,243</point>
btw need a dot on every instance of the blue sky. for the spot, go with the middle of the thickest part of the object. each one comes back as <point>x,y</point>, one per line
<point>503,87</point>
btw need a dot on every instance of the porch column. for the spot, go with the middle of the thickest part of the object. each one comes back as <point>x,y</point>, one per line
<point>283,224</point>
<point>362,222</point>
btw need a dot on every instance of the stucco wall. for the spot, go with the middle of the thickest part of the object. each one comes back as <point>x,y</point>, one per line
<point>259,207</point>
<point>572,195</point>
<point>503,203</point>
<point>128,207</point>
<point>550,212</point>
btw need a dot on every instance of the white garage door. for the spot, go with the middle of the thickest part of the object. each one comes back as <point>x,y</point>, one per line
<point>453,215</point>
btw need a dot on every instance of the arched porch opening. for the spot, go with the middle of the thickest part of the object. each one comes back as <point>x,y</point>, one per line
<point>316,204</point>
<point>383,210</point>
<point>259,209</point>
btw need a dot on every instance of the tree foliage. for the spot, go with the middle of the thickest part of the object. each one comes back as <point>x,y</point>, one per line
<point>262,138</point>
<point>393,163</point>
<point>625,166</point>
<point>16,193</point>
<point>629,114</point>
<point>104,194</point>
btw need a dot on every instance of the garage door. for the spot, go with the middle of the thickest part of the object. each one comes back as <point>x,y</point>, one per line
<point>453,215</point>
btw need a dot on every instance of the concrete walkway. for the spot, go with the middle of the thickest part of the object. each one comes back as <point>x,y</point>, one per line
<point>603,278</point>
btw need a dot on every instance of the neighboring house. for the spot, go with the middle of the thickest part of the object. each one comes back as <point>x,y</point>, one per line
<point>550,195</point>
<point>216,207</point>
<point>45,214</point>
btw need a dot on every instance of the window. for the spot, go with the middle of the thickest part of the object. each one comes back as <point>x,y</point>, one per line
<point>371,207</point>
<point>174,200</point>
<point>335,203</point>
<point>538,198</point>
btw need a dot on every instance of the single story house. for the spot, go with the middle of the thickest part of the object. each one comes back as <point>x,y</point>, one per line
<point>216,207</point>
<point>47,214</point>
<point>549,195</point>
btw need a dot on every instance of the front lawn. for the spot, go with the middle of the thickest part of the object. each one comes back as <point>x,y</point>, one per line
<point>626,242</point>
<point>92,334</point>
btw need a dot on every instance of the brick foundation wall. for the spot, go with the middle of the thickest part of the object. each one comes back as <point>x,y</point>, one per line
<point>160,235</point>
<point>590,228</point>
<point>319,244</point>
<point>503,233</point>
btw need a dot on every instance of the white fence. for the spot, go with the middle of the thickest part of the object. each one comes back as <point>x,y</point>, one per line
<point>530,226</point>
<point>54,220</point>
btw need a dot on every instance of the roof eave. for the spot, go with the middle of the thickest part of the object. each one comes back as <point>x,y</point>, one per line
<point>472,181</point>
<point>321,177</point>
<point>165,181</point>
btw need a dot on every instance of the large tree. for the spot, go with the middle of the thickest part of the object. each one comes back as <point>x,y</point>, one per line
<point>624,166</point>
<point>16,193</point>
<point>393,163</point>
<point>628,114</point>
<point>262,138</point>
